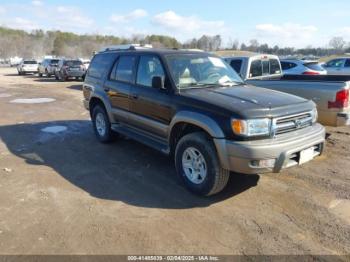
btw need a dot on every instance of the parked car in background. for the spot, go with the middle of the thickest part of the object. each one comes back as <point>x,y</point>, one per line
<point>48,66</point>
<point>15,61</point>
<point>256,66</point>
<point>338,66</point>
<point>193,106</point>
<point>27,66</point>
<point>86,63</point>
<point>70,68</point>
<point>301,67</point>
<point>330,93</point>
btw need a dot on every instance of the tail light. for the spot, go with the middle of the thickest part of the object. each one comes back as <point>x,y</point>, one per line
<point>341,99</point>
<point>310,73</point>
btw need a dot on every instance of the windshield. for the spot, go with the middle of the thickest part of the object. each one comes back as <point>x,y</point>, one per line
<point>200,70</point>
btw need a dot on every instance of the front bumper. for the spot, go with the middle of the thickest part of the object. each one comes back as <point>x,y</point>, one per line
<point>240,156</point>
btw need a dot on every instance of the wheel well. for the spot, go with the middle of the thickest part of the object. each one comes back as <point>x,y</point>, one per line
<point>94,102</point>
<point>182,129</point>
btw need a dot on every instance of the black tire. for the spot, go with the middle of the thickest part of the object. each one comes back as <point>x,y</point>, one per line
<point>56,76</point>
<point>107,136</point>
<point>40,75</point>
<point>216,177</point>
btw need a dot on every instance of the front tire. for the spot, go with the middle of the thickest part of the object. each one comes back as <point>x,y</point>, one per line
<point>102,125</point>
<point>198,165</point>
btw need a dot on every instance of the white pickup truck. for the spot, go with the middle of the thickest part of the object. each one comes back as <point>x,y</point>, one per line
<point>330,93</point>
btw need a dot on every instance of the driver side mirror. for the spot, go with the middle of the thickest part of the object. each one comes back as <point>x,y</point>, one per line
<point>158,82</point>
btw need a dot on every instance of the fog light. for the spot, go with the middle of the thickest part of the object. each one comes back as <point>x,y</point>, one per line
<point>264,163</point>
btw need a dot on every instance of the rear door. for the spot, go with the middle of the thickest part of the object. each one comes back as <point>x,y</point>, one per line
<point>347,67</point>
<point>150,107</point>
<point>118,86</point>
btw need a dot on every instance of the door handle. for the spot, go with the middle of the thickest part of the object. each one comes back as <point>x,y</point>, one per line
<point>135,96</point>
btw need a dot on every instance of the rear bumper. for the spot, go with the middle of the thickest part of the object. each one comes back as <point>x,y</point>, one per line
<point>75,73</point>
<point>343,119</point>
<point>242,156</point>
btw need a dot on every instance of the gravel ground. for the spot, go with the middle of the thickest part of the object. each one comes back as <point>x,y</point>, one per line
<point>61,192</point>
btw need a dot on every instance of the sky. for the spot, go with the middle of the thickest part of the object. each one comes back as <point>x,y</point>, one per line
<point>296,23</point>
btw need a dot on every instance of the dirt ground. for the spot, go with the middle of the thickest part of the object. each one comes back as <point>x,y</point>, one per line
<point>64,193</point>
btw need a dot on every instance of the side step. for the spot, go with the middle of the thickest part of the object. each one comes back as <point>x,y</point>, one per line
<point>142,137</point>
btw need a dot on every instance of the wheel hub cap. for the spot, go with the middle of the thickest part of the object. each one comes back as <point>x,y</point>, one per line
<point>194,165</point>
<point>100,124</point>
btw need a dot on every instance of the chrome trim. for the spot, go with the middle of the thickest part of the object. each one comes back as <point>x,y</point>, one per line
<point>293,124</point>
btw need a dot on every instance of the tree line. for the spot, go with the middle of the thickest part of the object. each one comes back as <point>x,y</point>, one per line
<point>38,43</point>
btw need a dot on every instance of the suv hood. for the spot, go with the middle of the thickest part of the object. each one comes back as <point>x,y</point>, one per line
<point>250,101</point>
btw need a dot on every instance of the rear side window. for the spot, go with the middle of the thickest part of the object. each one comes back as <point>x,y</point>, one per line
<point>314,66</point>
<point>236,65</point>
<point>124,69</point>
<point>347,63</point>
<point>255,68</point>
<point>288,65</point>
<point>100,64</point>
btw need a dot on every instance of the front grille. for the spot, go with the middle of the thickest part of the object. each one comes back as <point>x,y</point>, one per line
<point>291,123</point>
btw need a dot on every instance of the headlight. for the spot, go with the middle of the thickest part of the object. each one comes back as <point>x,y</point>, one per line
<point>251,127</point>
<point>314,115</point>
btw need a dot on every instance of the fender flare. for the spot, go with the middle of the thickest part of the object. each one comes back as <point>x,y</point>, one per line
<point>198,119</point>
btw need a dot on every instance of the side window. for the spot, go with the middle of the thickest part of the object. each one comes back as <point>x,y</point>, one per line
<point>274,67</point>
<point>347,63</point>
<point>100,64</point>
<point>149,66</point>
<point>255,68</point>
<point>336,63</point>
<point>125,69</point>
<point>236,65</point>
<point>285,65</point>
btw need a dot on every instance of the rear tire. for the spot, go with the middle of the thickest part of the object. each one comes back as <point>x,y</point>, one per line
<point>194,154</point>
<point>102,125</point>
<point>40,75</point>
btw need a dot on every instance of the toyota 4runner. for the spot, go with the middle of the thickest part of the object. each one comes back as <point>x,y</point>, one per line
<point>193,106</point>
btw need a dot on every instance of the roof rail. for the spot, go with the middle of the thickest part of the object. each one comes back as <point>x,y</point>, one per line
<point>125,47</point>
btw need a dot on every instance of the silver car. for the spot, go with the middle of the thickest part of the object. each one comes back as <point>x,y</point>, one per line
<point>27,67</point>
<point>301,67</point>
<point>338,66</point>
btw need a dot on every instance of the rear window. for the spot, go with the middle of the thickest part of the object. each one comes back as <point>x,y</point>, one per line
<point>255,68</point>
<point>54,62</point>
<point>236,65</point>
<point>73,63</point>
<point>264,67</point>
<point>100,64</point>
<point>275,67</point>
<point>30,62</point>
<point>314,66</point>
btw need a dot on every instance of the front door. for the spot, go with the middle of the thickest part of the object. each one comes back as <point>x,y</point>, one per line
<point>150,107</point>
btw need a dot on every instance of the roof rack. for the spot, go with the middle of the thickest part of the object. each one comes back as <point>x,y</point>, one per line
<point>126,47</point>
